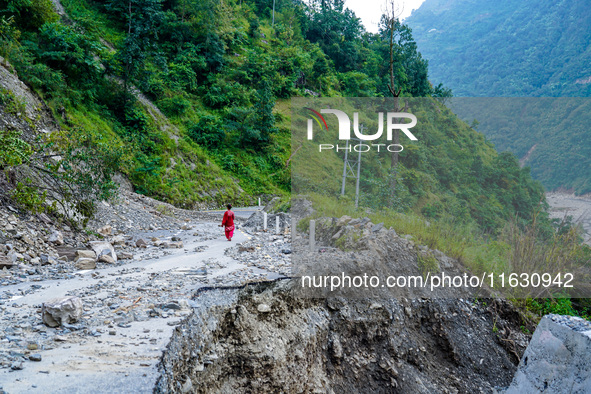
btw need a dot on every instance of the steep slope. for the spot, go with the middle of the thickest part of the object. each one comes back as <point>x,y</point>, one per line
<point>550,135</point>
<point>451,172</point>
<point>506,48</point>
<point>518,48</point>
<point>340,345</point>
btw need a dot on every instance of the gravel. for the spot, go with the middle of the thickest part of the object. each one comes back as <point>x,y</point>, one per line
<point>117,295</point>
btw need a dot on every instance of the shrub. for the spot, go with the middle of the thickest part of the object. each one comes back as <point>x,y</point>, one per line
<point>174,106</point>
<point>208,132</point>
<point>29,14</point>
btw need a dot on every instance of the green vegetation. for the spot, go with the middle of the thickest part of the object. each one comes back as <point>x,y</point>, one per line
<point>489,49</point>
<point>529,48</point>
<point>450,174</point>
<point>221,72</point>
<point>190,100</point>
<point>454,193</point>
<point>550,135</point>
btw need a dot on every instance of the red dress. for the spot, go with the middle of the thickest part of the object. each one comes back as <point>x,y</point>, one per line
<point>228,223</point>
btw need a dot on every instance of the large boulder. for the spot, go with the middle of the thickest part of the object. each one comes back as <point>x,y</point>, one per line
<point>85,264</point>
<point>86,254</point>
<point>58,311</point>
<point>101,248</point>
<point>556,359</point>
<point>5,262</point>
<point>56,238</point>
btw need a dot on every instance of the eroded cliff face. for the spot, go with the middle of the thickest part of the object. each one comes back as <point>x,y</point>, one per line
<point>21,109</point>
<point>263,339</point>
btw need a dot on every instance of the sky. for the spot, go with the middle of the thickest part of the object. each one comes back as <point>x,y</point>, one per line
<point>370,11</point>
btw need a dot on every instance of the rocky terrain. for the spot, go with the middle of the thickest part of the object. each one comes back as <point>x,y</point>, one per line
<point>121,287</point>
<point>75,314</point>
<point>262,339</point>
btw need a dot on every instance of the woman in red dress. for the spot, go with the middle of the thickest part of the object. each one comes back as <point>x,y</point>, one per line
<point>228,222</point>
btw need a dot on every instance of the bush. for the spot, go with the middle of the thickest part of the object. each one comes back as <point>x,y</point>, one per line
<point>208,132</point>
<point>29,14</point>
<point>14,150</point>
<point>174,106</point>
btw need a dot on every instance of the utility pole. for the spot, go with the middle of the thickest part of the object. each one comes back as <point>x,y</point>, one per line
<point>273,24</point>
<point>352,168</point>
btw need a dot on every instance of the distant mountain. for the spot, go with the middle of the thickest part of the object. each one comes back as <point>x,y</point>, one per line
<point>507,47</point>
<point>550,135</point>
<point>524,48</point>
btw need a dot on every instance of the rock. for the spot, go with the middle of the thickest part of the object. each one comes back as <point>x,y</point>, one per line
<point>177,244</point>
<point>186,227</point>
<point>556,359</point>
<point>118,240</point>
<point>106,258</point>
<point>5,262</point>
<point>124,256</point>
<point>44,218</point>
<point>263,308</point>
<point>10,229</point>
<point>105,230</point>
<point>343,220</point>
<point>45,260</point>
<point>28,240</point>
<point>35,357</point>
<point>85,264</point>
<point>377,227</point>
<point>187,387</point>
<point>86,254</point>
<point>171,305</point>
<point>58,311</point>
<point>140,243</point>
<point>101,248</point>
<point>56,238</point>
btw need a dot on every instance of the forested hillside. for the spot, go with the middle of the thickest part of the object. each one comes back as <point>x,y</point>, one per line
<point>506,48</point>
<point>550,135</point>
<point>518,48</point>
<point>190,101</point>
<point>220,75</point>
<point>221,72</point>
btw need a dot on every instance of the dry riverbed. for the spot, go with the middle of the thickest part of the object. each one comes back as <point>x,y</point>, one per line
<point>563,205</point>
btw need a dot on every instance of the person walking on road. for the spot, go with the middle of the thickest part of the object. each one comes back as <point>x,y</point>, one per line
<point>228,222</point>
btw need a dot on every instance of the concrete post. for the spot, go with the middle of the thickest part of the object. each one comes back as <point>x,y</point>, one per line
<point>277,224</point>
<point>259,201</point>
<point>293,228</point>
<point>312,235</point>
<point>264,221</point>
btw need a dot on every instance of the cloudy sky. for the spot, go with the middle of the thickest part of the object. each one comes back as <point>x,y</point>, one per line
<point>370,11</point>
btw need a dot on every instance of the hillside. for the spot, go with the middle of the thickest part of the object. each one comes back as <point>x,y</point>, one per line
<point>506,48</point>
<point>451,173</point>
<point>518,48</point>
<point>196,94</point>
<point>190,100</point>
<point>550,135</point>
